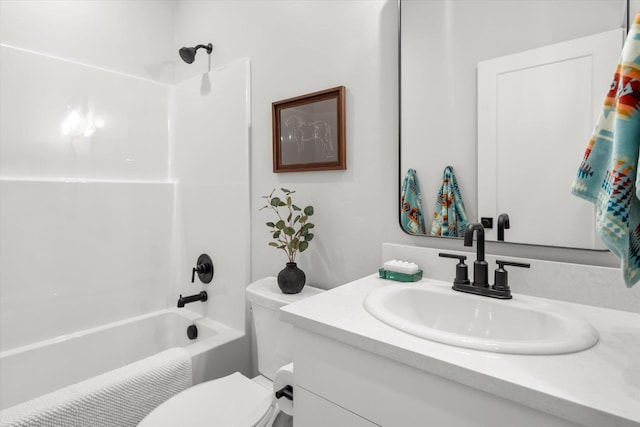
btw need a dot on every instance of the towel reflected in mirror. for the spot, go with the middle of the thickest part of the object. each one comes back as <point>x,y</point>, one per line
<point>449,215</point>
<point>411,216</point>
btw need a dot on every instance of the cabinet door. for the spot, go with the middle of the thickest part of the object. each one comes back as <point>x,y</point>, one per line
<point>392,394</point>
<point>536,112</point>
<point>313,411</point>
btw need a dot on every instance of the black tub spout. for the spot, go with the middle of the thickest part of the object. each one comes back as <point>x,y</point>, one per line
<point>202,296</point>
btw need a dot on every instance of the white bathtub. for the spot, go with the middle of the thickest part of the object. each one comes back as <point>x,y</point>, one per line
<point>33,370</point>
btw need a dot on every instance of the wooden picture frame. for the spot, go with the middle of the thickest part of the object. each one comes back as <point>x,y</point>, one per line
<point>309,132</point>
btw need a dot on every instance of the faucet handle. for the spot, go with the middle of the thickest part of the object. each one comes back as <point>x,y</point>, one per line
<point>204,268</point>
<point>501,278</point>
<point>462,270</point>
<point>446,255</point>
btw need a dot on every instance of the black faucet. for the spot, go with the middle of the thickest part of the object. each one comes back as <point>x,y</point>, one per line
<point>204,268</point>
<point>480,285</point>
<point>503,223</point>
<point>202,296</point>
<point>480,266</point>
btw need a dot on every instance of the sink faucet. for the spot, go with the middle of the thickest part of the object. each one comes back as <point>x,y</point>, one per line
<point>480,285</point>
<point>480,266</point>
<point>202,296</point>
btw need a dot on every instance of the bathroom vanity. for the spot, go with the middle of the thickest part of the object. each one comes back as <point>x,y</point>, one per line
<point>352,369</point>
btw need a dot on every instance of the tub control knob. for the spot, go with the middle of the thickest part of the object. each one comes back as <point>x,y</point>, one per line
<point>204,268</point>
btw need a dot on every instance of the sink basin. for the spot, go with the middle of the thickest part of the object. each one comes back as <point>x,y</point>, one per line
<point>523,325</point>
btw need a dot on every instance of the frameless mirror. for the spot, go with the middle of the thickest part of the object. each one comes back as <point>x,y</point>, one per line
<point>506,92</point>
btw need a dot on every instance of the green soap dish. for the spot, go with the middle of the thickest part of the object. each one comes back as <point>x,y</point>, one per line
<point>400,277</point>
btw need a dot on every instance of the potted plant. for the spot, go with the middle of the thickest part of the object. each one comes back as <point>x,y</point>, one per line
<point>291,234</point>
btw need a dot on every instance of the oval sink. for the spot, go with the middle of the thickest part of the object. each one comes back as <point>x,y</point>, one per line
<point>522,325</point>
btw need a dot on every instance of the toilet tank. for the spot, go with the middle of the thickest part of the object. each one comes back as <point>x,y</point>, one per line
<point>274,338</point>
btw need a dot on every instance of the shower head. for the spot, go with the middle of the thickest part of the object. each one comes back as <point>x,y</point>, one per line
<point>188,54</point>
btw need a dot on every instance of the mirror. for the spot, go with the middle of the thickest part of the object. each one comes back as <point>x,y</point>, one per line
<point>506,92</point>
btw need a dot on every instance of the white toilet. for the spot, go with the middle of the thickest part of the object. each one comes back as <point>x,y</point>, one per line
<point>236,400</point>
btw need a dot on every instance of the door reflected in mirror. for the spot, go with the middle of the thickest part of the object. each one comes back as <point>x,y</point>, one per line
<point>507,93</point>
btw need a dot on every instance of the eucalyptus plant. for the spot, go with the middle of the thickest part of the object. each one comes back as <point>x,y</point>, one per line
<point>291,232</point>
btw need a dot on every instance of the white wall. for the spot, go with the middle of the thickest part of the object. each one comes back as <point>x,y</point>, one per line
<point>298,47</point>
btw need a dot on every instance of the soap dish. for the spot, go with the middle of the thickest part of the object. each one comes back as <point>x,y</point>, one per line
<point>400,277</point>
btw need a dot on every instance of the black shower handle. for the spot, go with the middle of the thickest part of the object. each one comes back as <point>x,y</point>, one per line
<point>204,268</point>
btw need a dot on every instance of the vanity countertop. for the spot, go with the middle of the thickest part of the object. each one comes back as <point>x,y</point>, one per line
<point>596,387</point>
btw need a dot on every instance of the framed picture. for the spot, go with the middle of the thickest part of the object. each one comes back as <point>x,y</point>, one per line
<point>309,132</point>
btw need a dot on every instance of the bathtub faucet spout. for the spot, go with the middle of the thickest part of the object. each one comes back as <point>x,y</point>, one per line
<point>202,296</point>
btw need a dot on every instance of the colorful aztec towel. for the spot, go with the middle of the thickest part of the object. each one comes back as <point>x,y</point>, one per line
<point>608,175</point>
<point>411,216</point>
<point>449,216</point>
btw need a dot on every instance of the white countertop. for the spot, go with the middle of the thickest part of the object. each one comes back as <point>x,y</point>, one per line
<point>596,387</point>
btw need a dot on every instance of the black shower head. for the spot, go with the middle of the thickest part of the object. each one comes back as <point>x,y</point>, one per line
<point>188,54</point>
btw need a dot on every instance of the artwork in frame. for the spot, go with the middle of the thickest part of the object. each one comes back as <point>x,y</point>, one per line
<point>309,132</point>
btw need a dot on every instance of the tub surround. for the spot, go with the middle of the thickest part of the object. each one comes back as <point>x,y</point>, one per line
<point>103,221</point>
<point>211,162</point>
<point>595,387</point>
<point>61,118</point>
<point>71,255</point>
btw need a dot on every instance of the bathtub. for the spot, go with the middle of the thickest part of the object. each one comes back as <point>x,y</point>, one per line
<point>33,370</point>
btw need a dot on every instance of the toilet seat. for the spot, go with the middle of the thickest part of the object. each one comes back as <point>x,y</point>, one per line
<point>234,400</point>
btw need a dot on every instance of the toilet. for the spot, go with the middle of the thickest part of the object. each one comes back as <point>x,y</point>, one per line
<point>236,400</point>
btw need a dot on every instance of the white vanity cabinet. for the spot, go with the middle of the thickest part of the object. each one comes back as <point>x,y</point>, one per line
<point>341,385</point>
<point>353,370</point>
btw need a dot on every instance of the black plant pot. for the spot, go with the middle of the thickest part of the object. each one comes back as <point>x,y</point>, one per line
<point>291,280</point>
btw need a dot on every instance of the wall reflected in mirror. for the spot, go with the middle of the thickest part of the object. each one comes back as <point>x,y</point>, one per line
<point>506,94</point>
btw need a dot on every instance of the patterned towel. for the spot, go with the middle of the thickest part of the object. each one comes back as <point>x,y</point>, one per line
<point>122,397</point>
<point>608,175</point>
<point>411,217</point>
<point>449,215</point>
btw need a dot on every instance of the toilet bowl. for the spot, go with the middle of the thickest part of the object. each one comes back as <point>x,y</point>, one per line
<point>236,400</point>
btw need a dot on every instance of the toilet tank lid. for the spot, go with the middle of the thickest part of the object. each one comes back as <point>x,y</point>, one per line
<point>266,293</point>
